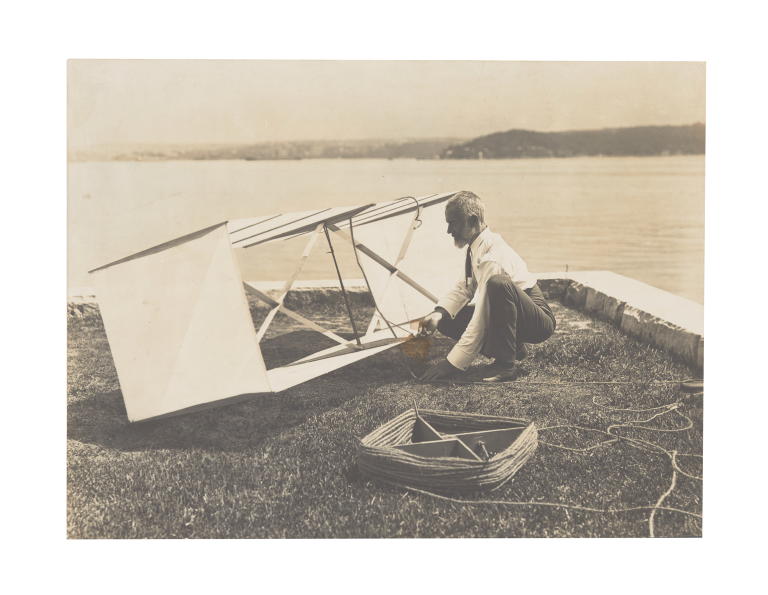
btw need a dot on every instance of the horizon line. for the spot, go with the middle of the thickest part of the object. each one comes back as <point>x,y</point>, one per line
<point>401,139</point>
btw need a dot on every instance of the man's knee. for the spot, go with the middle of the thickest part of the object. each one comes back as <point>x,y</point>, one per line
<point>498,284</point>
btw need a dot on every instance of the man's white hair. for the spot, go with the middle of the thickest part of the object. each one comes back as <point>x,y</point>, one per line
<point>468,204</point>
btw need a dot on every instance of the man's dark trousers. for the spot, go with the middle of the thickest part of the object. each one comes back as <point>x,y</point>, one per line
<point>515,317</point>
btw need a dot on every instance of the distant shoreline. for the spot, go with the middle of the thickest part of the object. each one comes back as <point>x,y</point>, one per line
<point>190,160</point>
<point>637,141</point>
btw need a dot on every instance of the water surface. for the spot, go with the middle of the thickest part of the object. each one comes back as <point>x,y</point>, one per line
<point>638,216</point>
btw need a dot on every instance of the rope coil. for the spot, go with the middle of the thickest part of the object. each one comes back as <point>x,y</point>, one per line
<point>379,460</point>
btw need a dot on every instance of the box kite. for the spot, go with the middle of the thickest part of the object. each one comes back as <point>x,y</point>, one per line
<point>177,319</point>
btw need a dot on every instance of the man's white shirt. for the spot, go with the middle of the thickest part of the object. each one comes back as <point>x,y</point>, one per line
<point>491,255</point>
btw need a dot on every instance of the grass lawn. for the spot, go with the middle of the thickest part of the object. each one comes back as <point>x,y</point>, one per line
<point>283,465</point>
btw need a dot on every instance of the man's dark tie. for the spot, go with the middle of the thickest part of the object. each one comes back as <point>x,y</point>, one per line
<point>468,267</point>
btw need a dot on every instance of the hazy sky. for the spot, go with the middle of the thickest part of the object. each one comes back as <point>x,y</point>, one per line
<point>191,101</point>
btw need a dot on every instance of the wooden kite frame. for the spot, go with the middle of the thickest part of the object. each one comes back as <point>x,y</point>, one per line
<point>202,313</point>
<point>278,304</point>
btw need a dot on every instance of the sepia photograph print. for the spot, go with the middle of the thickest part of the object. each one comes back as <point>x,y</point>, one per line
<point>379,299</point>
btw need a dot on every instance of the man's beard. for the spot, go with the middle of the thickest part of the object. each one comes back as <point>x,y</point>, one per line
<point>459,242</point>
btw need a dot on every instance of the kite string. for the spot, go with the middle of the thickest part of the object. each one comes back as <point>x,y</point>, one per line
<point>406,244</point>
<point>417,216</point>
<point>368,285</point>
<point>404,247</point>
<point>389,323</point>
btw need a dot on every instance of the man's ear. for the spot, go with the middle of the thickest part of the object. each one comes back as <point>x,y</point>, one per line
<point>472,220</point>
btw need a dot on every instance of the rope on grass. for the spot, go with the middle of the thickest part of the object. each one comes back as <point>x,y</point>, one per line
<point>549,504</point>
<point>671,454</point>
<point>568,382</point>
<point>398,430</point>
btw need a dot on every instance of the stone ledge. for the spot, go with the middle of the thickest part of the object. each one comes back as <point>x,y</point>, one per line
<point>667,306</point>
<point>671,338</point>
<point>668,321</point>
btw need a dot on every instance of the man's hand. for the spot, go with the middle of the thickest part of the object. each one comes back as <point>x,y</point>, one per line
<point>439,371</point>
<point>428,324</point>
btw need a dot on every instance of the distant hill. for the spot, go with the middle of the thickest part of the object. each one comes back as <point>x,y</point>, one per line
<point>429,148</point>
<point>639,140</point>
<point>635,141</point>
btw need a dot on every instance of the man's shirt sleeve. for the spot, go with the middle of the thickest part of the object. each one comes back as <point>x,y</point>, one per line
<point>457,297</point>
<point>471,342</point>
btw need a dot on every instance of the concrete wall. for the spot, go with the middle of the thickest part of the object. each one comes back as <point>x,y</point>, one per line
<point>668,321</point>
<point>654,316</point>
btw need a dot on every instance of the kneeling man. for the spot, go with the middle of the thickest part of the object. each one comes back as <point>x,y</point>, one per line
<point>509,309</point>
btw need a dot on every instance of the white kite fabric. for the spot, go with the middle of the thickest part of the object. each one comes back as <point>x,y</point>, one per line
<point>177,317</point>
<point>179,327</point>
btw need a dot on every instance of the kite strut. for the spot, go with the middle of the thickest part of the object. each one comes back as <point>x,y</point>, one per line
<point>341,284</point>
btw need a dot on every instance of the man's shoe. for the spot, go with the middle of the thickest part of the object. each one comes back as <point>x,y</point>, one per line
<point>502,372</point>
